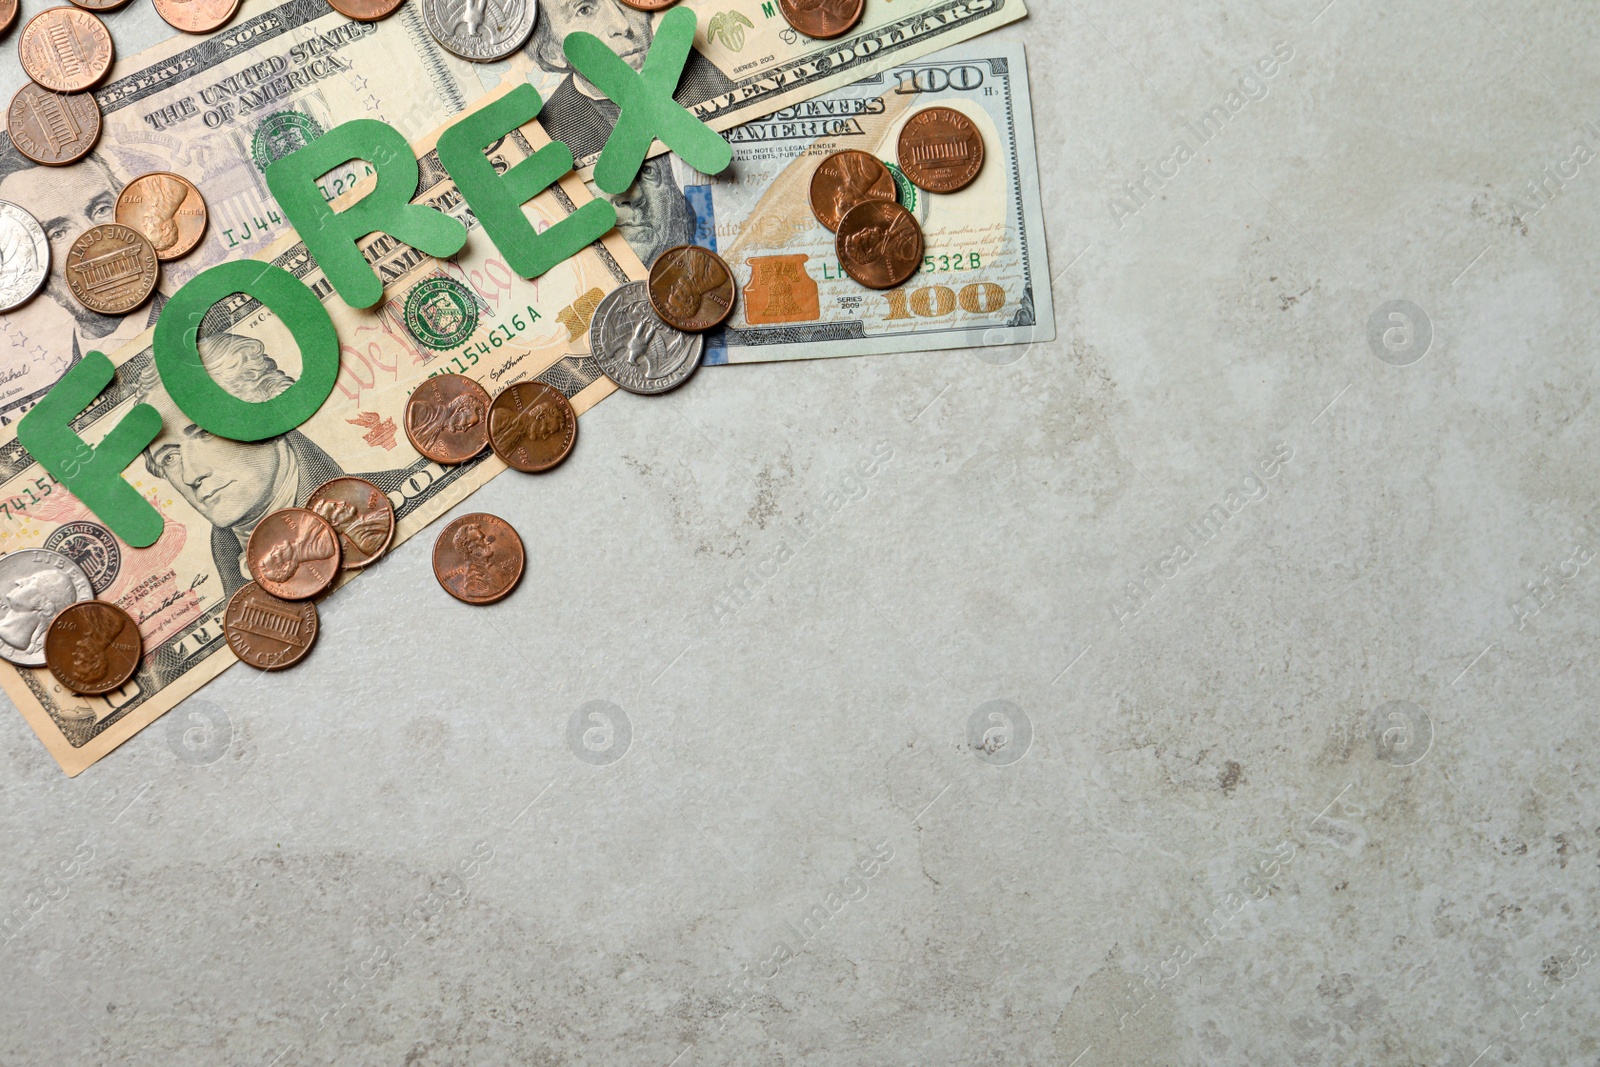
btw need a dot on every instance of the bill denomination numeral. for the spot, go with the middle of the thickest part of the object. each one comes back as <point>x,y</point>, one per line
<point>938,79</point>
<point>937,301</point>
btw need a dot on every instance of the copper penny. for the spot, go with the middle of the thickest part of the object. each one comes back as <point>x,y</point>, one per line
<point>112,269</point>
<point>649,5</point>
<point>196,16</point>
<point>53,128</point>
<point>478,559</point>
<point>532,427</point>
<point>879,244</point>
<point>93,647</point>
<point>941,150</point>
<point>8,13</point>
<point>365,10</point>
<point>822,19</point>
<point>293,554</point>
<point>447,418</point>
<point>844,180</point>
<point>267,633</point>
<point>65,49</point>
<point>691,288</point>
<point>360,513</point>
<point>167,209</point>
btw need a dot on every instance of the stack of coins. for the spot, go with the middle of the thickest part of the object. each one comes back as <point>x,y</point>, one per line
<point>294,556</point>
<point>54,120</point>
<point>65,51</point>
<point>879,242</point>
<point>90,646</point>
<point>647,336</point>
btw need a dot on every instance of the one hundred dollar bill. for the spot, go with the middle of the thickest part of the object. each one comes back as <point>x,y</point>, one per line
<point>985,278</point>
<point>747,61</point>
<point>468,315</point>
<point>216,110</point>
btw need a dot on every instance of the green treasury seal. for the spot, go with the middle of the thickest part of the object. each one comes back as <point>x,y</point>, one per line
<point>280,134</point>
<point>441,313</point>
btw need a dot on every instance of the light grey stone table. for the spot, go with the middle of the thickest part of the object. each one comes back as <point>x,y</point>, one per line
<point>1288,603</point>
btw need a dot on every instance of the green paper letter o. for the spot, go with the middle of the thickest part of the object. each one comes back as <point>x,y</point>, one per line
<point>197,394</point>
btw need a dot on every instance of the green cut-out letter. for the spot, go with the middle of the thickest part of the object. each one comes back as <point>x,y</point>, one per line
<point>497,199</point>
<point>331,235</point>
<point>648,111</point>
<point>94,475</point>
<point>198,395</point>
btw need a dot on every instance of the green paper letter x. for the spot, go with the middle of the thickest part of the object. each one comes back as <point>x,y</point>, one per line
<point>648,111</point>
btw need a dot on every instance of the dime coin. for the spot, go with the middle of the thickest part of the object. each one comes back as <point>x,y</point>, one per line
<point>65,49</point>
<point>941,150</point>
<point>111,269</point>
<point>167,209</point>
<point>691,288</point>
<point>93,647</point>
<point>8,13</point>
<point>636,349</point>
<point>447,418</point>
<point>196,16</point>
<point>53,128</point>
<point>532,427</point>
<point>361,515</point>
<point>649,5</point>
<point>293,554</point>
<point>844,180</point>
<point>24,256</point>
<point>483,30</point>
<point>99,5</point>
<point>879,244</point>
<point>36,585</point>
<point>365,10</point>
<point>268,633</point>
<point>822,19</point>
<point>478,559</point>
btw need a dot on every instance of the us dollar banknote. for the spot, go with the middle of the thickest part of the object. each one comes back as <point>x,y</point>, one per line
<point>468,315</point>
<point>747,61</point>
<point>985,278</point>
<point>216,110</point>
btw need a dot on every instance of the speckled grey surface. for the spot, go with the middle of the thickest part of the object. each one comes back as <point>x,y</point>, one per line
<point>1320,788</point>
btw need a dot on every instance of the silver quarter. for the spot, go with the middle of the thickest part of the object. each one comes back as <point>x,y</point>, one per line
<point>36,585</point>
<point>24,257</point>
<point>636,349</point>
<point>480,30</point>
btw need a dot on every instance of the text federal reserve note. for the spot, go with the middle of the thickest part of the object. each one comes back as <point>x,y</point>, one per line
<point>984,277</point>
<point>217,111</point>
<point>747,61</point>
<point>469,315</point>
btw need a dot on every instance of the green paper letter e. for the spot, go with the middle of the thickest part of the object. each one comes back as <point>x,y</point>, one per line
<point>497,199</point>
<point>94,475</point>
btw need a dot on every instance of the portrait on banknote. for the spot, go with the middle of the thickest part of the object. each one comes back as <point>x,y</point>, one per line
<point>577,112</point>
<point>654,215</point>
<point>50,333</point>
<point>233,484</point>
